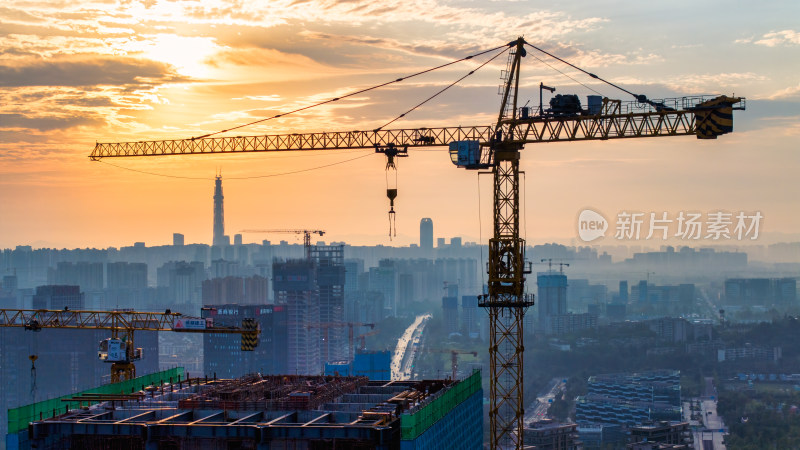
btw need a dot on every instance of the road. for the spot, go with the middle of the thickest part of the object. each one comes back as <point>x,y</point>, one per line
<point>407,347</point>
<point>538,409</point>
<point>705,301</point>
<point>706,432</point>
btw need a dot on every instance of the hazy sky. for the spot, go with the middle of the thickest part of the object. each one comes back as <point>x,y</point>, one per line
<point>73,73</point>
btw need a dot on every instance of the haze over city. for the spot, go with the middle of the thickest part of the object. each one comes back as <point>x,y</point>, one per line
<point>211,236</point>
<point>77,73</point>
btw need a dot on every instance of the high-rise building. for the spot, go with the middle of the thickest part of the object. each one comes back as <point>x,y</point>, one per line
<point>353,268</point>
<point>222,354</point>
<point>87,275</point>
<point>426,234</point>
<point>383,279</point>
<point>10,282</point>
<point>623,292</point>
<point>552,287</point>
<point>184,281</point>
<point>219,214</point>
<point>125,275</point>
<point>329,260</point>
<point>760,291</point>
<point>295,286</point>
<point>239,290</point>
<point>469,316</point>
<point>126,285</point>
<point>450,313</point>
<point>58,297</point>
<point>177,239</point>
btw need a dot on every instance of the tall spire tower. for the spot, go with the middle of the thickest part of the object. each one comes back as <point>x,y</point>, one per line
<point>219,213</point>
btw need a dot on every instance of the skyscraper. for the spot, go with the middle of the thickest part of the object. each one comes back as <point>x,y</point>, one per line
<point>426,234</point>
<point>219,214</point>
<point>329,261</point>
<point>552,298</point>
<point>295,286</point>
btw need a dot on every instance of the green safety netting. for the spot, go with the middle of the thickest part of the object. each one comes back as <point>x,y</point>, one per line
<point>18,418</point>
<point>414,424</point>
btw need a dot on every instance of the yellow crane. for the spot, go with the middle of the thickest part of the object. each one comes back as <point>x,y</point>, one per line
<point>497,148</point>
<point>119,349</point>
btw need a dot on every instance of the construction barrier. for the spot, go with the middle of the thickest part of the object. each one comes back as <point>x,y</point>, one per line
<point>414,424</point>
<point>19,418</point>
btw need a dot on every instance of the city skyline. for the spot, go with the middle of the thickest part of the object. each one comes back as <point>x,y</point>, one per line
<point>77,74</point>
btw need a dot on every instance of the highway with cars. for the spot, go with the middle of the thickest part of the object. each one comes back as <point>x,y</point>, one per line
<point>407,349</point>
<point>538,409</point>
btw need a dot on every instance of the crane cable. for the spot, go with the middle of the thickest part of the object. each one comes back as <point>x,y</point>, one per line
<point>638,97</point>
<point>565,74</point>
<point>239,178</point>
<point>361,91</point>
<point>442,90</point>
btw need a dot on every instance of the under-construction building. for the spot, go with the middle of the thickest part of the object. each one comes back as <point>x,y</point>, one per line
<point>295,286</point>
<point>329,261</point>
<point>273,412</point>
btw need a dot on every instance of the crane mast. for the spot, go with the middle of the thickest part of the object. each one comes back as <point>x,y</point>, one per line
<point>506,301</point>
<point>496,148</point>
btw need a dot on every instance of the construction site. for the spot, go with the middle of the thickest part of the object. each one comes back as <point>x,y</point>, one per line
<point>262,412</point>
<point>304,411</point>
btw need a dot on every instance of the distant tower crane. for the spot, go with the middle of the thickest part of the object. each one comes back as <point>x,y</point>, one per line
<point>350,334</point>
<point>496,148</point>
<point>454,358</point>
<point>306,236</point>
<point>119,349</point>
<point>550,264</point>
<point>363,339</point>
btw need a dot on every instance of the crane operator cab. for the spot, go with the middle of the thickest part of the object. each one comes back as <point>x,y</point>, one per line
<point>113,350</point>
<point>466,154</point>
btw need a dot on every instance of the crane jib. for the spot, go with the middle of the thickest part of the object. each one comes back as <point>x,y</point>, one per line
<point>706,120</point>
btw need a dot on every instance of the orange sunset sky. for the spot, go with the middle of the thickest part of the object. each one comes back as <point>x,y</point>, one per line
<point>75,73</point>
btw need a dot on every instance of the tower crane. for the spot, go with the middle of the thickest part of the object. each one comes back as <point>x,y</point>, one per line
<point>454,358</point>
<point>498,148</point>
<point>119,349</point>
<point>350,334</point>
<point>550,265</point>
<point>363,339</point>
<point>306,236</point>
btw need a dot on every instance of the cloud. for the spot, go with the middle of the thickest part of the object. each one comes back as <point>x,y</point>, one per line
<point>693,83</point>
<point>785,37</point>
<point>773,39</point>
<point>787,93</point>
<point>46,123</point>
<point>87,71</point>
